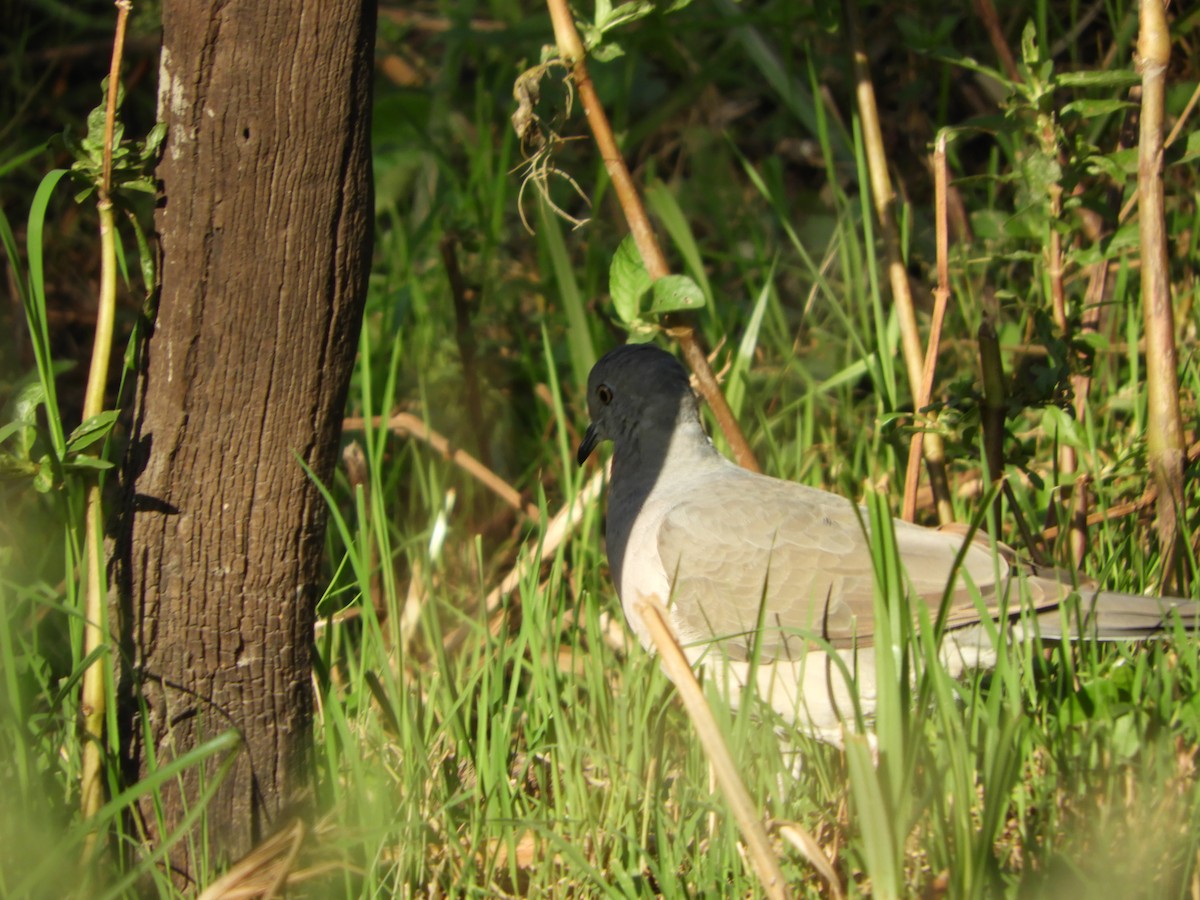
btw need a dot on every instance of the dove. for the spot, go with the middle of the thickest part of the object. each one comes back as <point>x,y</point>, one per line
<point>771,583</point>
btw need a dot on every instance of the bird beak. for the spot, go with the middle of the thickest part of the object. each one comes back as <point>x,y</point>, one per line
<point>590,438</point>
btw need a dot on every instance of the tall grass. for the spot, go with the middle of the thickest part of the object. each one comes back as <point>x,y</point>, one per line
<point>534,747</point>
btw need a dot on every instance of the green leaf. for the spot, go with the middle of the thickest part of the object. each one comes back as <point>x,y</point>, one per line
<point>1091,108</point>
<point>87,464</point>
<point>28,399</point>
<point>1126,238</point>
<point>608,18</point>
<point>1106,167</point>
<point>662,201</point>
<point>43,481</point>
<point>1093,340</point>
<point>1025,224</point>
<point>1063,427</point>
<point>675,292</point>
<point>91,430</point>
<point>1174,155</point>
<point>24,420</point>
<point>1029,45</point>
<point>12,468</point>
<point>1118,78</point>
<point>8,429</point>
<point>627,280</point>
<point>988,224</point>
<point>153,142</point>
<point>607,52</point>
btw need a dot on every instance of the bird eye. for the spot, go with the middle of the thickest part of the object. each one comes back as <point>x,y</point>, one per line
<point>604,392</point>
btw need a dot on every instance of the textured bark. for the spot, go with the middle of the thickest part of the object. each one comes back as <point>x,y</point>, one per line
<point>265,229</point>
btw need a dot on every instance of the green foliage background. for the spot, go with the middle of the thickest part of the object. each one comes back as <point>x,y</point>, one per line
<point>531,748</point>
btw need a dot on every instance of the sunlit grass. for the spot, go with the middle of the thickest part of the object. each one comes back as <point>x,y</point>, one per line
<point>534,747</point>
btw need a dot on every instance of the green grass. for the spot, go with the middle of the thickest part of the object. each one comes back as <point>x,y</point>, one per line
<point>527,750</point>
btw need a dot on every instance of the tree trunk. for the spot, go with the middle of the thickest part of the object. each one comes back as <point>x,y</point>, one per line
<point>265,226</point>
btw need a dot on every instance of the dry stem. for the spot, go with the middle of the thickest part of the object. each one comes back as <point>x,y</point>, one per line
<point>941,295</point>
<point>885,211</point>
<point>570,48</point>
<point>676,665</point>
<point>1164,427</point>
<point>93,691</point>
<point>408,424</point>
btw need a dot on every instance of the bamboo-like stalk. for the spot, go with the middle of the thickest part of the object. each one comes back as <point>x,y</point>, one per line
<point>1177,129</point>
<point>941,295</point>
<point>884,199</point>
<point>94,689</point>
<point>1164,425</point>
<point>570,48</point>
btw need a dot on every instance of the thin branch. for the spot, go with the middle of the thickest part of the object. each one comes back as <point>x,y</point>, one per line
<point>991,24</point>
<point>884,199</point>
<point>941,295</point>
<point>1175,132</point>
<point>1141,504</point>
<point>93,699</point>
<point>408,424</point>
<point>679,670</point>
<point>570,48</point>
<point>1077,497</point>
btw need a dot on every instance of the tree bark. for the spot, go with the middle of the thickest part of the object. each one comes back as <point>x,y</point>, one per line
<point>265,227</point>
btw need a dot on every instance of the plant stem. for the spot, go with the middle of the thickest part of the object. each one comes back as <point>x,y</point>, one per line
<point>1164,427</point>
<point>95,613</point>
<point>679,670</point>
<point>570,48</point>
<point>885,210</point>
<point>941,295</point>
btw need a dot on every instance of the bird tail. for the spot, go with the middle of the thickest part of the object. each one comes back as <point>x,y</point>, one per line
<point>1111,616</point>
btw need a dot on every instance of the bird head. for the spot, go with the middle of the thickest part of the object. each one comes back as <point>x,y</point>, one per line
<point>635,390</point>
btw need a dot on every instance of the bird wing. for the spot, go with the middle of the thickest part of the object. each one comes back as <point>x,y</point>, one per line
<point>746,549</point>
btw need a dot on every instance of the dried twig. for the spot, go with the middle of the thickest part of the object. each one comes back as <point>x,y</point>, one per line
<point>941,295</point>
<point>1142,503</point>
<point>884,199</point>
<point>270,869</point>
<point>676,665</point>
<point>1175,132</point>
<point>570,48</point>
<point>804,842</point>
<point>991,24</point>
<point>408,424</point>
<point>1076,497</point>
